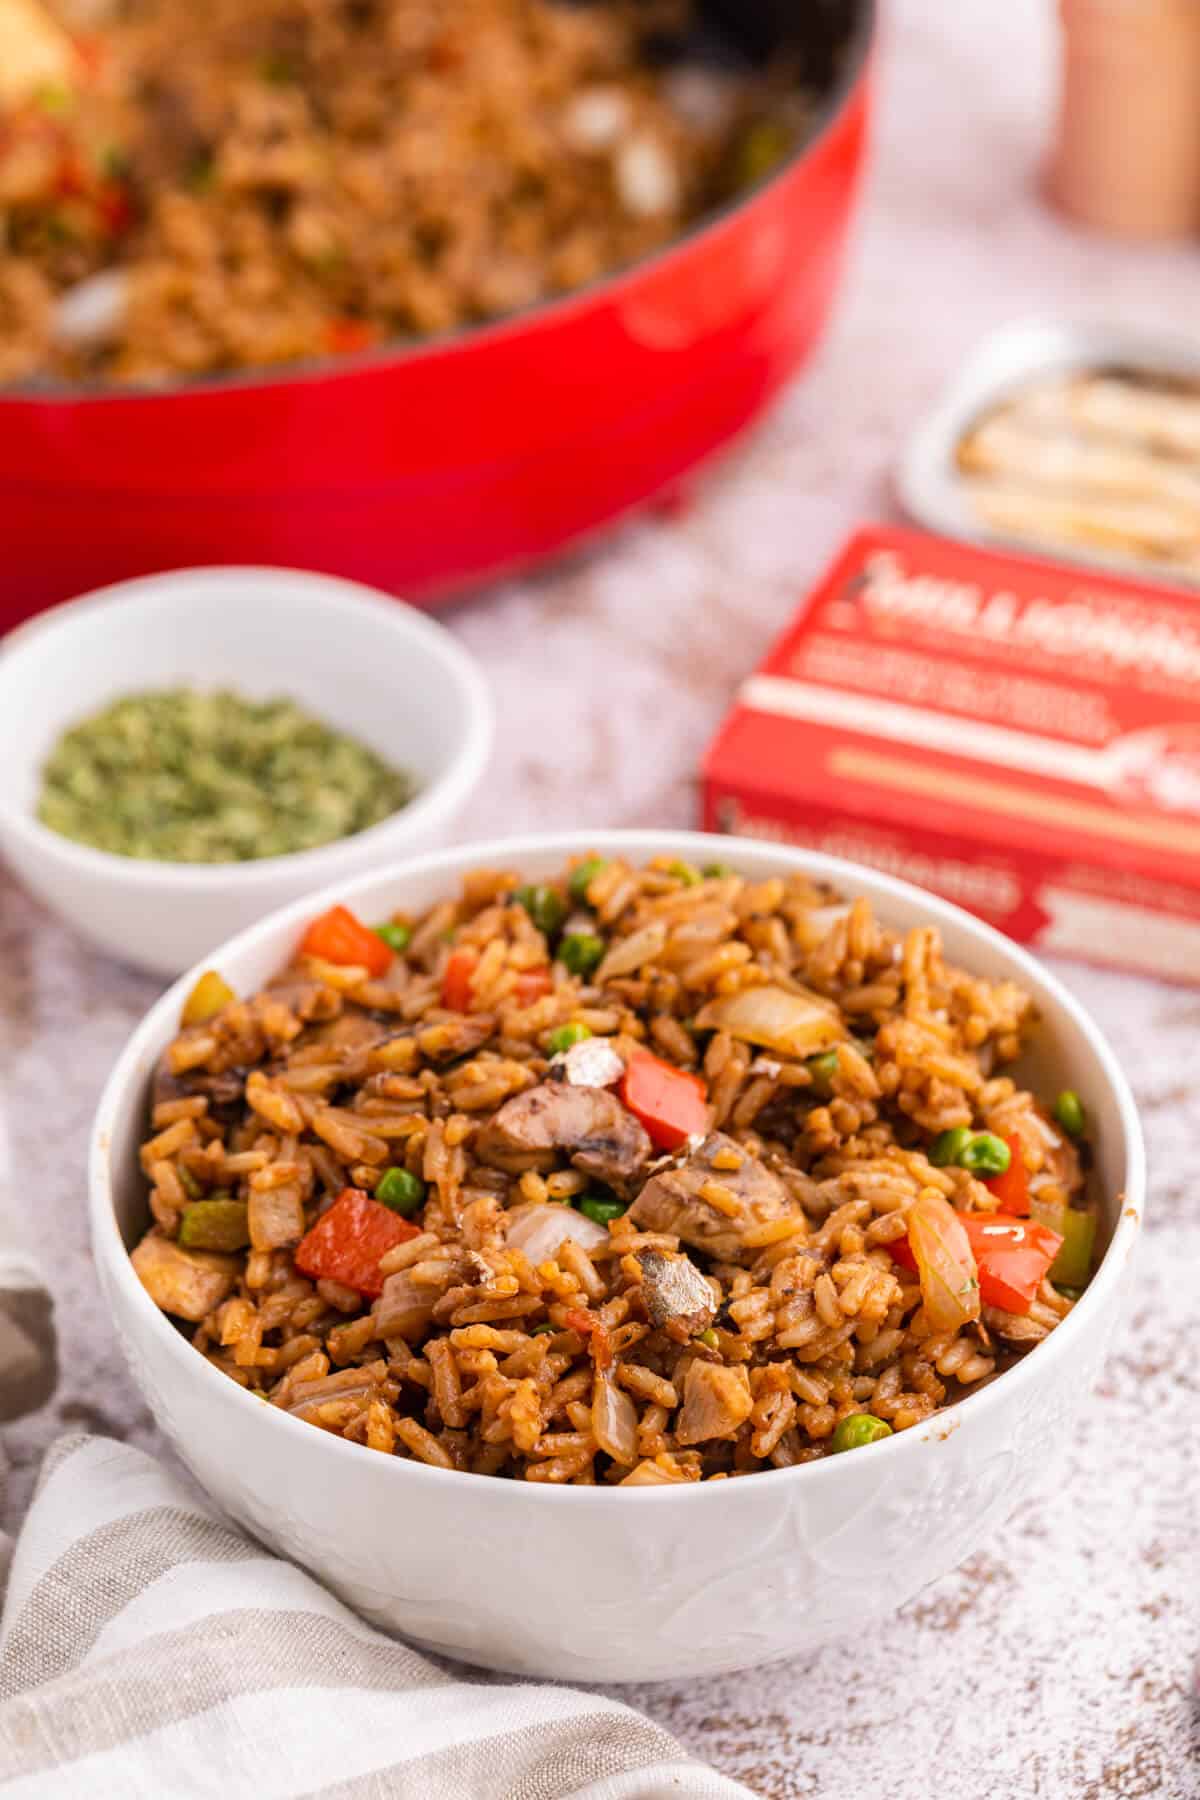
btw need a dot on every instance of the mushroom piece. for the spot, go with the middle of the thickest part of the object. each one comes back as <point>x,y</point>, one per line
<point>1015,1328</point>
<point>677,1297</point>
<point>188,1284</point>
<point>225,1092</point>
<point>459,1036</point>
<point>589,1125</point>
<point>716,1403</point>
<point>712,1198</point>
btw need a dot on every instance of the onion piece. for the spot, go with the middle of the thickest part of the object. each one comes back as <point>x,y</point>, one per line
<point>945,1263</point>
<point>794,1024</point>
<point>538,1227</point>
<point>646,176</point>
<point>93,309</point>
<point>592,1063</point>
<point>276,1217</point>
<point>631,953</point>
<point>814,926</point>
<point>597,118</point>
<point>614,1421</point>
<point>35,53</point>
<point>405,1308</point>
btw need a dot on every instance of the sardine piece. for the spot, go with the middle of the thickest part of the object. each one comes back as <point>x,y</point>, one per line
<point>1127,527</point>
<point>1007,447</point>
<point>1118,407</point>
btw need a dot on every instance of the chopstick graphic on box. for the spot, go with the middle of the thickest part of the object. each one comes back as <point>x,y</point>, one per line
<point>1049,758</point>
<point>1014,802</point>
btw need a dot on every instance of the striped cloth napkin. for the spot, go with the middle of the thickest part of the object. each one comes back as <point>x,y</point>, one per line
<point>148,1649</point>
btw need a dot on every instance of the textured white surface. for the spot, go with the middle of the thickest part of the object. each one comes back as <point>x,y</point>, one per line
<point>1061,1662</point>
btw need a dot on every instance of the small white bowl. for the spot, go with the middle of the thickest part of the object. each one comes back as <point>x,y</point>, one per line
<point>607,1584</point>
<point>354,658</point>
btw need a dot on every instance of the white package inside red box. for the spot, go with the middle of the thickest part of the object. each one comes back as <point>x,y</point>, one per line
<point>1020,737</point>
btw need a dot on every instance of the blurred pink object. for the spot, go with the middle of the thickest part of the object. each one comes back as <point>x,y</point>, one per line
<point>1127,159</point>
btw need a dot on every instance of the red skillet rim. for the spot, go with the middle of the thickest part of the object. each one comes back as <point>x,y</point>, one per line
<point>856,58</point>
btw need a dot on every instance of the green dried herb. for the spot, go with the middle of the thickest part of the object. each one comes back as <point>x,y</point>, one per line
<point>190,777</point>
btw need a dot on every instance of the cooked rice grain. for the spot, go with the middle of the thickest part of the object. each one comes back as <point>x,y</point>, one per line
<point>549,1367</point>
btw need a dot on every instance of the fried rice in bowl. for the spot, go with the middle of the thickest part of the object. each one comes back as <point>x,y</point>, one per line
<point>452,1220</point>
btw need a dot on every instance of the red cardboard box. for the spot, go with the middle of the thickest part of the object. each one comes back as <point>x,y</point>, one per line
<point>1020,737</point>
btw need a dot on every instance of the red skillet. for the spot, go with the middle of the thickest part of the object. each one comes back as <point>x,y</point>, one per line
<point>428,469</point>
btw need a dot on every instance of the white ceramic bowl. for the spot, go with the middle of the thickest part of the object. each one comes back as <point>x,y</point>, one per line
<point>354,658</point>
<point>595,1584</point>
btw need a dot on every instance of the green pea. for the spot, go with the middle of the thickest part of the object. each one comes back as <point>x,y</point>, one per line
<point>541,1330</point>
<point>824,1068</point>
<point>396,937</point>
<point>200,172</point>
<point>718,871</point>
<point>709,1339</point>
<point>581,952</point>
<point>600,1211</point>
<point>985,1154</point>
<point>858,1429</point>
<point>401,1190</point>
<point>948,1146</point>
<point>685,872</point>
<point>277,70</point>
<point>566,1035</point>
<point>545,906</point>
<point>1068,1110</point>
<point>761,149</point>
<point>583,875</point>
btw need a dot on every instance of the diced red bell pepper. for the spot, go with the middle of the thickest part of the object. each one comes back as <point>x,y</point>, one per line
<point>900,1250</point>
<point>1012,1255</point>
<point>533,985</point>
<point>594,1332</point>
<point>70,178</point>
<point>110,200</point>
<point>345,336</point>
<point>347,1242</point>
<point>338,937</point>
<point>115,208</point>
<point>93,54</point>
<point>456,981</point>
<point>671,1104</point>
<point>1012,1188</point>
